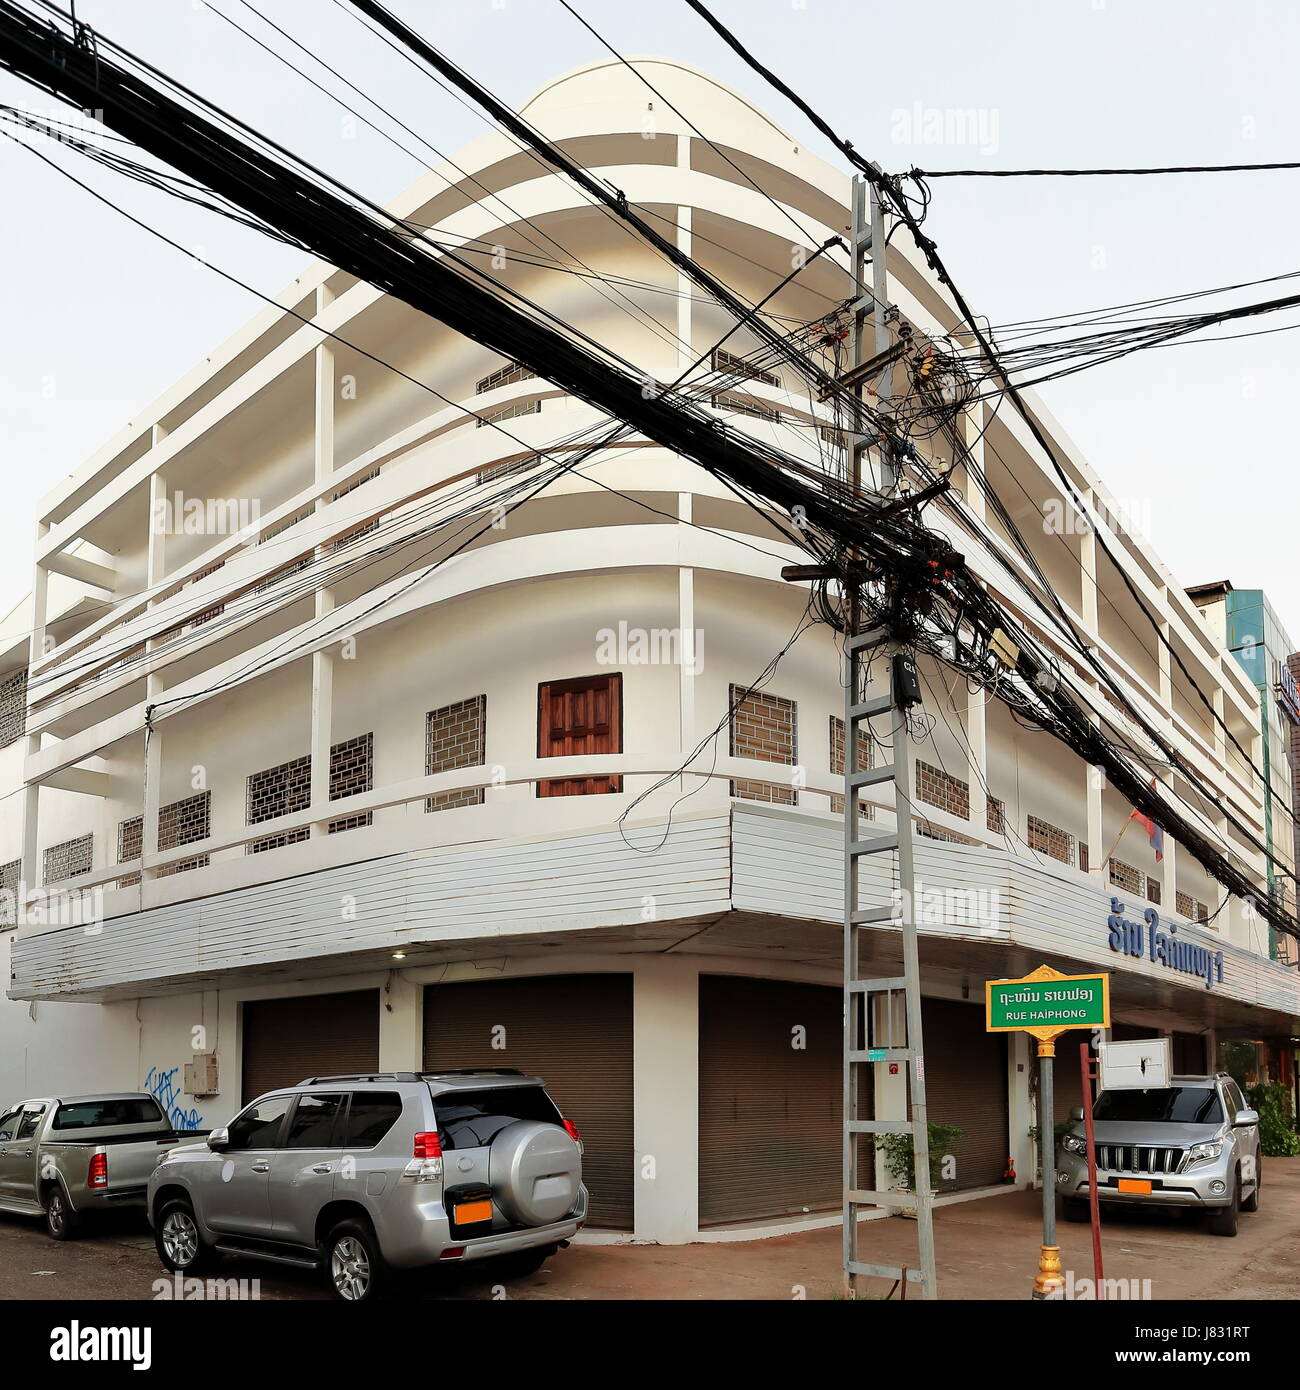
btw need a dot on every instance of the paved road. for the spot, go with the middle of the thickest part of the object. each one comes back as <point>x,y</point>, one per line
<point>986,1250</point>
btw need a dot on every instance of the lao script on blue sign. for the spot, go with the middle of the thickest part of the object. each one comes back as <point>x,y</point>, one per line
<point>1162,947</point>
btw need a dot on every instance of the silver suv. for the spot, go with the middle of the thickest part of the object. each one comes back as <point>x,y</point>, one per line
<point>1193,1143</point>
<point>362,1175</point>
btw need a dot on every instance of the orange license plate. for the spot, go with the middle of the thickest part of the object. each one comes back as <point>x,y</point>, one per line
<point>1138,1186</point>
<point>467,1213</point>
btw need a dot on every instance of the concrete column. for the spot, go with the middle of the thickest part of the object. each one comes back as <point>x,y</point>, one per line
<point>1020,1110</point>
<point>685,286</point>
<point>1088,564</point>
<point>31,871</point>
<point>689,655</point>
<point>665,1089</point>
<point>156,570</point>
<point>401,1024</point>
<point>322,662</point>
<point>889,1030</point>
<point>1166,683</point>
<point>977,757</point>
<point>973,423</point>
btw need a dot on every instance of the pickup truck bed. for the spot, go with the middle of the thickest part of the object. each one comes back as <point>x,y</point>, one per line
<point>66,1158</point>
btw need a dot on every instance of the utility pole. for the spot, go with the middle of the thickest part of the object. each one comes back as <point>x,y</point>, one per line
<point>861,1019</point>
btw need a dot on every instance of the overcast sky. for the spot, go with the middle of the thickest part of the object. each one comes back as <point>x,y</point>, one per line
<point>99,317</point>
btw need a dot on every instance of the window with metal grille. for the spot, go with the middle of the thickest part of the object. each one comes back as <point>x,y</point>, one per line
<point>208,613</point>
<point>455,736</point>
<point>1083,855</point>
<point>69,859</point>
<point>356,483</point>
<point>504,470</point>
<point>942,789</point>
<point>995,815</point>
<point>1153,889</point>
<point>503,376</point>
<point>1050,840</point>
<point>508,412</point>
<point>10,876</point>
<point>765,727</point>
<point>582,715</point>
<point>130,845</point>
<point>740,405</point>
<point>1187,906</point>
<point>13,708</point>
<point>1126,876</point>
<point>282,790</point>
<point>296,567</point>
<point>729,362</point>
<point>837,765</point>
<point>181,823</point>
<point>352,772</point>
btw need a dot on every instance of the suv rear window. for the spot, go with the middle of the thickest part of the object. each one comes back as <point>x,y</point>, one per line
<point>370,1116</point>
<point>472,1119</point>
<point>101,1114</point>
<point>1188,1105</point>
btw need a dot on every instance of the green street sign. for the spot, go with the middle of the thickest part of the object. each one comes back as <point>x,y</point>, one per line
<point>1046,1004</point>
<point>876,1054</point>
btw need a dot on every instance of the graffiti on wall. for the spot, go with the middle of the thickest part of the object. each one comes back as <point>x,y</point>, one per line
<point>163,1086</point>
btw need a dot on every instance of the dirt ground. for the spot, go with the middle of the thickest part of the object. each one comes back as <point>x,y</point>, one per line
<point>987,1249</point>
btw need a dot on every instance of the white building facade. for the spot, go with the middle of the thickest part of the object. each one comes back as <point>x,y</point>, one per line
<point>326,808</point>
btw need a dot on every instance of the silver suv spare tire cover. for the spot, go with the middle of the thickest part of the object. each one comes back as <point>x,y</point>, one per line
<point>535,1171</point>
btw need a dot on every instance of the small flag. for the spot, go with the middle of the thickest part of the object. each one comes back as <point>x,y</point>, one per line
<point>1155,835</point>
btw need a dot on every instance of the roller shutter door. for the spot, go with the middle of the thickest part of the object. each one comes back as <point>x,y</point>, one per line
<point>574,1031</point>
<point>770,1142</point>
<point>966,1086</point>
<point>286,1040</point>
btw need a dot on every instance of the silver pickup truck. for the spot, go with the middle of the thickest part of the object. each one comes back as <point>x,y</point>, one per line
<point>68,1157</point>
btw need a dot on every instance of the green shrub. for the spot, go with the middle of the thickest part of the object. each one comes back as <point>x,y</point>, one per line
<point>1277,1134</point>
<point>897,1149</point>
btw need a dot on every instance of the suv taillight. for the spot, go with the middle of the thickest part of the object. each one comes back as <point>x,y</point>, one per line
<point>97,1173</point>
<point>426,1159</point>
<point>573,1134</point>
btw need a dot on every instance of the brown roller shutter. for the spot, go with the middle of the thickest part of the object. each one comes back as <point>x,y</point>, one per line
<point>966,1086</point>
<point>287,1040</point>
<point>575,1032</point>
<point>770,1141</point>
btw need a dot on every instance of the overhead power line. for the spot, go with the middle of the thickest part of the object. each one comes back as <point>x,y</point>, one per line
<point>918,586</point>
<point>1095,173</point>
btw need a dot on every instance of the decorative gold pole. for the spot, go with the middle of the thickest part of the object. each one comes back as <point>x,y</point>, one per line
<point>1048,1283</point>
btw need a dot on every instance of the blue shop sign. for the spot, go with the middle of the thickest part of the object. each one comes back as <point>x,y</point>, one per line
<point>1162,947</point>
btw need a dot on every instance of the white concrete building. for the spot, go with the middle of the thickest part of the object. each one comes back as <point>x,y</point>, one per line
<point>359,834</point>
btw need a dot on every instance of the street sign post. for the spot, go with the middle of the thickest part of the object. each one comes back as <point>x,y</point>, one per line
<point>1045,1003</point>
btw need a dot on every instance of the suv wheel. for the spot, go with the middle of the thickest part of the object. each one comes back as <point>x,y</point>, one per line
<point>1222,1221</point>
<point>1075,1209</point>
<point>61,1221</point>
<point>1251,1203</point>
<point>179,1241</point>
<point>353,1263</point>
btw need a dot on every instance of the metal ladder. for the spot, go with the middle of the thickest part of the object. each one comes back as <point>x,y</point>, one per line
<point>860,993</point>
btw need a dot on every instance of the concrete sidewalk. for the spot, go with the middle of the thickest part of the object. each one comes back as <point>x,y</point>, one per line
<point>987,1249</point>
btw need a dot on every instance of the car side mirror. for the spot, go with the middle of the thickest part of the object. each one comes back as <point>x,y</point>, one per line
<point>1245,1117</point>
<point>219,1139</point>
<point>1077,1113</point>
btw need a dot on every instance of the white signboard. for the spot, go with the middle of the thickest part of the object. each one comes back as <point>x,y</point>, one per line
<point>1142,1064</point>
